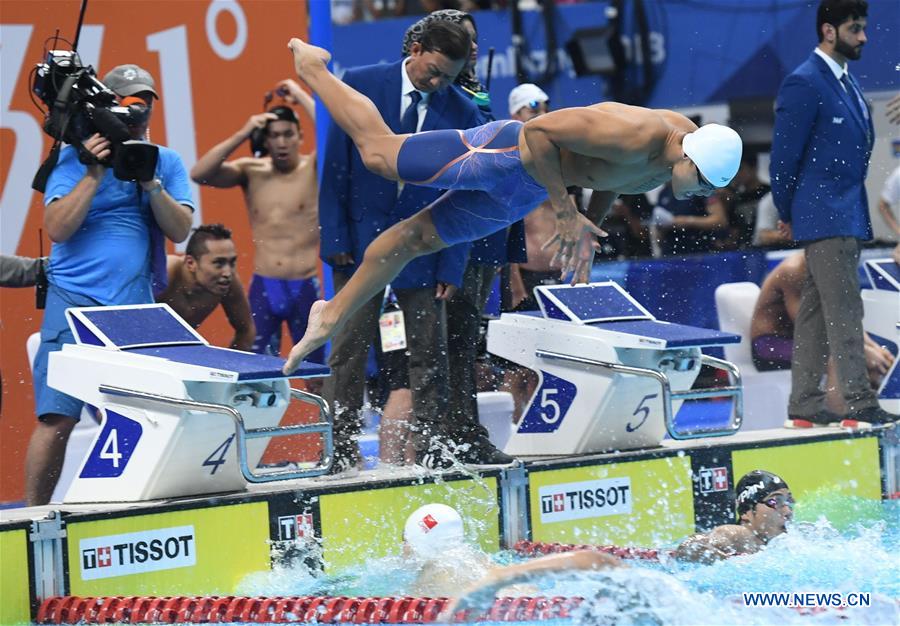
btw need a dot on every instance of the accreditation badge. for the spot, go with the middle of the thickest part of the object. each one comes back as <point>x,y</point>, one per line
<point>393,331</point>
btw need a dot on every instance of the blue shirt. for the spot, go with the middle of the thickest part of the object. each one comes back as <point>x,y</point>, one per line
<point>108,258</point>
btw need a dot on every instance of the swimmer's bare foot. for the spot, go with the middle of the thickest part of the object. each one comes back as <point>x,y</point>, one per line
<point>307,56</point>
<point>318,331</point>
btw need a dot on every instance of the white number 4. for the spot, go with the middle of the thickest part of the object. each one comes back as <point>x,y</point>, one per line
<point>547,401</point>
<point>111,448</point>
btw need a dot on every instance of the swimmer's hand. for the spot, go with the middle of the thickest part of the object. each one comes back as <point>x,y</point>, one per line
<point>258,121</point>
<point>785,230</point>
<point>577,239</point>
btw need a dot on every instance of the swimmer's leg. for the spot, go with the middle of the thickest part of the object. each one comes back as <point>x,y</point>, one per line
<point>352,111</point>
<point>383,260</point>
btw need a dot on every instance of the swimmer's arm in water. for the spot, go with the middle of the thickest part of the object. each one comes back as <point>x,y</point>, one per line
<point>480,596</point>
<point>718,544</point>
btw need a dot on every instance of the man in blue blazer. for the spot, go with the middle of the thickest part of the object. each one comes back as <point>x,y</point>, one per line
<point>820,155</point>
<point>355,206</point>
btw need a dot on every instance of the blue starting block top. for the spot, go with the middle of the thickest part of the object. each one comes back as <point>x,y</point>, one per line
<point>606,306</point>
<point>155,330</point>
<point>246,365</point>
<point>586,304</point>
<point>675,335</point>
<point>884,274</point>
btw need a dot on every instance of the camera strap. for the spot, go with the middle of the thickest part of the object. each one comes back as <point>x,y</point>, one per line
<point>57,117</point>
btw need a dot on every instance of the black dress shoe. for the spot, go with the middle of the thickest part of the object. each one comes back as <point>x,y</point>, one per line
<point>482,452</point>
<point>870,416</point>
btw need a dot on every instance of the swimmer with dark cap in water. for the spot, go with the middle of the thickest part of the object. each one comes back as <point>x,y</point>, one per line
<point>764,506</point>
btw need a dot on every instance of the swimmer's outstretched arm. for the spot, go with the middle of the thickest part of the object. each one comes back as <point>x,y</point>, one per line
<point>588,132</point>
<point>481,595</point>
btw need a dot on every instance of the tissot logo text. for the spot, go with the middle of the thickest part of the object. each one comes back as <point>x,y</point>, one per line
<point>593,498</point>
<point>135,553</point>
<point>292,527</point>
<point>713,479</point>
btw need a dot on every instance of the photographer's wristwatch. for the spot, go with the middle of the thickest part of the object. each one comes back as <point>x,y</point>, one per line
<point>156,189</point>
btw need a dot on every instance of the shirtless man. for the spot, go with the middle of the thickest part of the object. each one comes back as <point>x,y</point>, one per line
<point>500,171</point>
<point>204,278</point>
<point>281,192</point>
<point>764,506</point>
<point>772,338</point>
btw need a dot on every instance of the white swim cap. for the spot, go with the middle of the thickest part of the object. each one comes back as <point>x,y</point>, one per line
<point>433,528</point>
<point>716,151</point>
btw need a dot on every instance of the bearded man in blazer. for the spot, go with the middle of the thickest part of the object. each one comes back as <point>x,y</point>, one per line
<point>820,156</point>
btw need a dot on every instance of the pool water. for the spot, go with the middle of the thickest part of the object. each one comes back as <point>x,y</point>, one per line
<point>861,554</point>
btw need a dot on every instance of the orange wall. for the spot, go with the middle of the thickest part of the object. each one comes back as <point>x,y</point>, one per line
<point>211,72</point>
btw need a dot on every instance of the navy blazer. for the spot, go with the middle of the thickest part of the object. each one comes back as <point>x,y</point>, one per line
<point>355,205</point>
<point>820,155</point>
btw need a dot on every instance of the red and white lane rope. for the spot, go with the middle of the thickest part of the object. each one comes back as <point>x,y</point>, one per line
<point>288,610</point>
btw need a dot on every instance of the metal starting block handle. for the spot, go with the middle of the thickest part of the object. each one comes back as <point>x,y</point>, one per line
<point>733,390</point>
<point>242,433</point>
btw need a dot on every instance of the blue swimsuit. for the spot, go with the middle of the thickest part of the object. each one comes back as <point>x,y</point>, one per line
<point>482,168</point>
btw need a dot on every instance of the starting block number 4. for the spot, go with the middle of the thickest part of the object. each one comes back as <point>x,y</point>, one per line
<point>217,457</point>
<point>115,445</point>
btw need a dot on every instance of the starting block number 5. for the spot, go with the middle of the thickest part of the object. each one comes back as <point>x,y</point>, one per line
<point>549,405</point>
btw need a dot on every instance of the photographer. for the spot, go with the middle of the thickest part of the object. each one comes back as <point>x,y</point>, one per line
<point>107,239</point>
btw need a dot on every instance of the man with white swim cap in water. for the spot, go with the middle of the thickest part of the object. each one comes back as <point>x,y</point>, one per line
<point>764,506</point>
<point>434,535</point>
<point>499,172</point>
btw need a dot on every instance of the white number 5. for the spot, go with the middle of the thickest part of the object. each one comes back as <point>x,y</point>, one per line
<point>546,401</point>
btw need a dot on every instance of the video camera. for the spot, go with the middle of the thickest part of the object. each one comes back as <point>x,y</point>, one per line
<point>79,105</point>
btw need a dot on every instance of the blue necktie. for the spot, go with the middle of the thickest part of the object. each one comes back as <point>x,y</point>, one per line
<point>854,95</point>
<point>410,120</point>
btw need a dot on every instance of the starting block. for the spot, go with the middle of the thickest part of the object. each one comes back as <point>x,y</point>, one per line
<point>610,375</point>
<point>179,417</point>
<point>881,319</point>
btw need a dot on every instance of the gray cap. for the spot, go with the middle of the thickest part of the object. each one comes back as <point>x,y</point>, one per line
<point>127,80</point>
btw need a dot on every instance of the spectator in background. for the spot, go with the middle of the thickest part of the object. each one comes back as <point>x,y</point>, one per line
<point>102,254</point>
<point>687,226</point>
<point>772,331</point>
<point>741,199</point>
<point>766,233</point>
<point>206,277</point>
<point>627,227</point>
<point>21,271</point>
<point>412,94</point>
<point>466,306</point>
<point>281,192</point>
<point>889,202</point>
<point>820,155</point>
